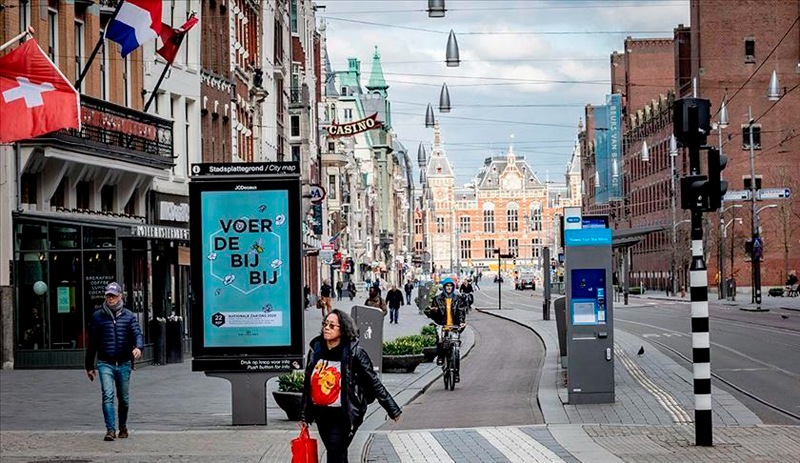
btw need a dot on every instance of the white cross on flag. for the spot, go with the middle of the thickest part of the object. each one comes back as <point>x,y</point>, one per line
<point>35,97</point>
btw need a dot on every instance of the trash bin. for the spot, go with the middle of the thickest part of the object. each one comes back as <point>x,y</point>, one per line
<point>174,343</point>
<point>560,305</point>
<point>158,333</point>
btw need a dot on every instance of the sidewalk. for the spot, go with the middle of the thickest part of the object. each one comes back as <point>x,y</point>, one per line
<point>742,300</point>
<point>651,420</point>
<point>176,414</point>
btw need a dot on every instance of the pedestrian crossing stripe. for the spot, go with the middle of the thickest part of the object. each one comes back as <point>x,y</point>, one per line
<point>493,444</point>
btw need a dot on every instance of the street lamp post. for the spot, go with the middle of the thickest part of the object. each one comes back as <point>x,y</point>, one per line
<point>722,122</point>
<point>755,260</point>
<point>721,248</point>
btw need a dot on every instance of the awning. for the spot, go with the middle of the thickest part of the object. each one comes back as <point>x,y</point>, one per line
<point>631,236</point>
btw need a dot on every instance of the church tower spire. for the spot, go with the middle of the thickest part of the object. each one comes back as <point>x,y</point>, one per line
<point>376,80</point>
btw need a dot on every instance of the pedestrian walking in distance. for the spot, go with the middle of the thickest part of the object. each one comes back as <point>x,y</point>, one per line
<point>374,299</point>
<point>339,384</point>
<point>325,294</point>
<point>115,338</point>
<point>339,290</point>
<point>394,299</point>
<point>409,287</point>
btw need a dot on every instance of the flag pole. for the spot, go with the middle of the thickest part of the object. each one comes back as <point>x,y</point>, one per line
<point>166,68</point>
<point>158,84</point>
<point>21,36</point>
<point>100,43</point>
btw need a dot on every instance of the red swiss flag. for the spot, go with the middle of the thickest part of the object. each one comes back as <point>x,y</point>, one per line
<point>35,97</point>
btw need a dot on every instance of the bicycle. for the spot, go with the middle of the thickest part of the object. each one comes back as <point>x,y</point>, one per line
<point>451,344</point>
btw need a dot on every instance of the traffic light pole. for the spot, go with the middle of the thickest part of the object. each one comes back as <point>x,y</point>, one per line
<point>699,194</point>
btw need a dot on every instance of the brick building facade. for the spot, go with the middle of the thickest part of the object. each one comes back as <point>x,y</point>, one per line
<point>732,48</point>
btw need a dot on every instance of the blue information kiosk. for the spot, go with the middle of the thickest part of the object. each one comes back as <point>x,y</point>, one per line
<point>590,314</point>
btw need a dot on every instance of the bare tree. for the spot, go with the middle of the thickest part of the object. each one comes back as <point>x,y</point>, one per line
<point>788,214</point>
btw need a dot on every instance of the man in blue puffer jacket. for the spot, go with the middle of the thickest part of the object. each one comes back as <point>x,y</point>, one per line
<point>116,339</point>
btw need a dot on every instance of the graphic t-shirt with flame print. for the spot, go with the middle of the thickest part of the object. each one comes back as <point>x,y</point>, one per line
<point>326,383</point>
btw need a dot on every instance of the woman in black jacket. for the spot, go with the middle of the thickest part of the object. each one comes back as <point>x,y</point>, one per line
<point>340,382</point>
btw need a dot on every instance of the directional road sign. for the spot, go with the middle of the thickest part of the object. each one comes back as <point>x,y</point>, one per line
<point>737,195</point>
<point>774,193</point>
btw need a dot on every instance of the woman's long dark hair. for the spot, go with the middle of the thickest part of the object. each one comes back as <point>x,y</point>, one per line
<point>347,326</point>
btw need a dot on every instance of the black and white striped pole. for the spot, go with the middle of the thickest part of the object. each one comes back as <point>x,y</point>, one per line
<point>699,193</point>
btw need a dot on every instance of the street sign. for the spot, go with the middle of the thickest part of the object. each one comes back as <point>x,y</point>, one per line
<point>317,193</point>
<point>774,193</point>
<point>737,195</point>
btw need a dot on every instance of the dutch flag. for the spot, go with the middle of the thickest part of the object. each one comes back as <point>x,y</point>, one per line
<point>137,22</point>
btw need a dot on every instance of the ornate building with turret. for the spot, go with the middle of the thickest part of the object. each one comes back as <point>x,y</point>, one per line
<point>505,206</point>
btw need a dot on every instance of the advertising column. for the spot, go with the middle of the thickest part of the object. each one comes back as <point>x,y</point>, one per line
<point>248,309</point>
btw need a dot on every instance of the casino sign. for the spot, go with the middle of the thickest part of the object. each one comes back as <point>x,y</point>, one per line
<point>352,128</point>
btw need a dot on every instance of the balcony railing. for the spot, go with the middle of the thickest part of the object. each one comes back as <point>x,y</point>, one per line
<point>116,132</point>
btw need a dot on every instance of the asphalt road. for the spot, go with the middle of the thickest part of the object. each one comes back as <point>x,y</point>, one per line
<point>499,380</point>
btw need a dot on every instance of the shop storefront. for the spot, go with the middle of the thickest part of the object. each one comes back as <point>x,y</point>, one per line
<point>61,267</point>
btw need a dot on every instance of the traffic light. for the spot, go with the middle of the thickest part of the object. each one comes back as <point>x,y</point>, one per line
<point>716,186</point>
<point>694,192</point>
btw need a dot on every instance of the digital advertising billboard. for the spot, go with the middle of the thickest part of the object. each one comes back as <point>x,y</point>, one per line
<point>246,257</point>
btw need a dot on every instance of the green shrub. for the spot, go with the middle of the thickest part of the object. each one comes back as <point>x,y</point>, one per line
<point>292,382</point>
<point>424,340</point>
<point>428,330</point>
<point>406,345</point>
<point>635,290</point>
<point>776,291</point>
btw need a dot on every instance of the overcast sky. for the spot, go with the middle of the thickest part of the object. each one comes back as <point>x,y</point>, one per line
<point>528,68</point>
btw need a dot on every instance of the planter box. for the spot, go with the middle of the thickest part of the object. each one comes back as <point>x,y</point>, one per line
<point>402,363</point>
<point>290,403</point>
<point>776,292</point>
<point>429,353</point>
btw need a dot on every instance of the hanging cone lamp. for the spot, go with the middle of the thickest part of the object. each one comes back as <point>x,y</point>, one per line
<point>451,57</point>
<point>444,99</point>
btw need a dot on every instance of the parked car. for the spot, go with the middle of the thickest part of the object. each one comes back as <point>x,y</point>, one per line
<point>525,281</point>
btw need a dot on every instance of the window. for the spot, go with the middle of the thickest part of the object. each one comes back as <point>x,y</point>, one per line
<point>332,186</point>
<point>126,81</point>
<point>348,115</point>
<point>488,249</point>
<point>750,50</point>
<point>82,195</point>
<point>536,247</point>
<point>513,246</point>
<point>439,224</point>
<point>28,186</point>
<point>295,153</point>
<point>293,15</point>
<point>466,249</point>
<point>331,147</point>
<point>295,124</point>
<point>746,181</point>
<point>24,15</point>
<point>488,218</point>
<point>107,198</point>
<point>537,219</point>
<point>78,49</point>
<point>418,227</point>
<point>512,217</point>
<point>52,45</point>
<point>746,137</point>
<point>464,224</point>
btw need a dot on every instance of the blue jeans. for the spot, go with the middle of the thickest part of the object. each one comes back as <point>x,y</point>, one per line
<point>115,378</point>
<point>394,314</point>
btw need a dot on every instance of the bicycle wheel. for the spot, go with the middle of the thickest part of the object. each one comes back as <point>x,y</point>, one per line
<point>452,366</point>
<point>448,380</point>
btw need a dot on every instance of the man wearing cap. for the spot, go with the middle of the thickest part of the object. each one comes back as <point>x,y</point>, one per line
<point>116,339</point>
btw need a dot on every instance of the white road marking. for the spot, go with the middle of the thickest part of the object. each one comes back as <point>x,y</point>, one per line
<point>418,447</point>
<point>518,446</point>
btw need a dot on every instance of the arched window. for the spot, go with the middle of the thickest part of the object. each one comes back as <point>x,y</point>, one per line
<point>512,217</point>
<point>488,218</point>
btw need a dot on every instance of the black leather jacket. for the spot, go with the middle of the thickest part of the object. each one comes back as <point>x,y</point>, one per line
<point>438,309</point>
<point>358,379</point>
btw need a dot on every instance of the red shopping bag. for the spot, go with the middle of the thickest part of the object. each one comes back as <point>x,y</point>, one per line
<point>304,448</point>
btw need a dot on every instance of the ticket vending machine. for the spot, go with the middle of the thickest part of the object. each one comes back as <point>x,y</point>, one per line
<point>590,316</point>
